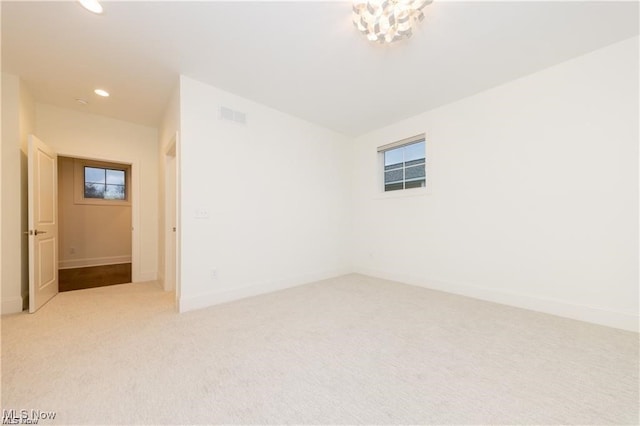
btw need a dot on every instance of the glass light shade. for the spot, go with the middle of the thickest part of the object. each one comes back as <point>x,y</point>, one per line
<point>91,5</point>
<point>386,21</point>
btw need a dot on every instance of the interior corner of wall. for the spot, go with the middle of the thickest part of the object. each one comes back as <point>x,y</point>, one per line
<point>148,276</point>
<point>14,305</point>
<point>25,301</point>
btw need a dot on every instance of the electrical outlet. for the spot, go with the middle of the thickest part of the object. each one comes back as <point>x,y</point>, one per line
<point>202,213</point>
<point>214,274</point>
<point>72,250</point>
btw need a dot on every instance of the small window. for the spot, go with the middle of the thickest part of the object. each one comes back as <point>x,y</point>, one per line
<point>101,183</point>
<point>106,184</point>
<point>404,164</point>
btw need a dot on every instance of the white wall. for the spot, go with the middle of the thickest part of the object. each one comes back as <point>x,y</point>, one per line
<point>84,135</point>
<point>18,120</point>
<point>534,194</point>
<point>276,192</point>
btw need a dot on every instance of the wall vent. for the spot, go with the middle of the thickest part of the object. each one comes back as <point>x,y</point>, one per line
<point>240,117</point>
<point>231,115</point>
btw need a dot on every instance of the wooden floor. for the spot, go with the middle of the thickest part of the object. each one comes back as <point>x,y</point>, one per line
<point>94,276</point>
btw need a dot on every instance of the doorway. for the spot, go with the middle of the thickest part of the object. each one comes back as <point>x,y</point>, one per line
<point>172,217</point>
<point>95,223</point>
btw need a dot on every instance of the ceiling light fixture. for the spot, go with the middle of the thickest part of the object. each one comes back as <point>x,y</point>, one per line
<point>91,5</point>
<point>82,101</point>
<point>386,21</point>
<point>101,92</point>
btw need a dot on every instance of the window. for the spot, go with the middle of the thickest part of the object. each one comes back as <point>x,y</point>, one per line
<point>106,184</point>
<point>101,183</point>
<point>404,164</point>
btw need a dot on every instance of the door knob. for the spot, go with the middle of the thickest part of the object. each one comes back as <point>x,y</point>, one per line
<point>36,232</point>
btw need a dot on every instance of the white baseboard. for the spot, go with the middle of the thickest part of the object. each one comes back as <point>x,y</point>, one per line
<point>621,320</point>
<point>147,276</point>
<point>11,305</point>
<point>94,261</point>
<point>190,303</point>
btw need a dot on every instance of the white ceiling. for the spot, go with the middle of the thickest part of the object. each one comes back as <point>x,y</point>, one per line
<point>303,58</point>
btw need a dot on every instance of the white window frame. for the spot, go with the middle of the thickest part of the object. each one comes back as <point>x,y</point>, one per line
<point>406,192</point>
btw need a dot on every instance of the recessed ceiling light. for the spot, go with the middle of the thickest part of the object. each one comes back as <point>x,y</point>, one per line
<point>91,5</point>
<point>101,92</point>
<point>82,101</point>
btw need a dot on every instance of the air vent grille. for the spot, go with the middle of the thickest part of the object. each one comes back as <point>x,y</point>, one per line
<point>231,115</point>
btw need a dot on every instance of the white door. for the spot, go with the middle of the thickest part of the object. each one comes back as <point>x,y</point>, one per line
<point>43,223</point>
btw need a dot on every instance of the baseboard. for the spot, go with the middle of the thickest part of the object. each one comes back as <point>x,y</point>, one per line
<point>621,320</point>
<point>147,276</point>
<point>95,261</point>
<point>11,305</point>
<point>200,301</point>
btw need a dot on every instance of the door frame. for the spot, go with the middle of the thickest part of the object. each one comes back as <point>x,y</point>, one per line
<point>172,208</point>
<point>136,249</point>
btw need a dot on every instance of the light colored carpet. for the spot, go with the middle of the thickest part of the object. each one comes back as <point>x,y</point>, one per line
<point>348,350</point>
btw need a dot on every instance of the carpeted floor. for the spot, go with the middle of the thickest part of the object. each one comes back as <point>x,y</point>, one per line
<point>348,350</point>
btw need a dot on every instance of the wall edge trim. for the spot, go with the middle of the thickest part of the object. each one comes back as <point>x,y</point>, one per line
<point>206,300</point>
<point>94,261</point>
<point>621,320</point>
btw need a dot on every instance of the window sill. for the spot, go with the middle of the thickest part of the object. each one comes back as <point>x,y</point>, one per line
<point>102,202</point>
<point>404,193</point>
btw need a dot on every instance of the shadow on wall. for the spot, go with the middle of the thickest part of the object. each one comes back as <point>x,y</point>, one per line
<point>24,227</point>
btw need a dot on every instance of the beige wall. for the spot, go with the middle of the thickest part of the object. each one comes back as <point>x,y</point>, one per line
<point>89,235</point>
<point>27,127</point>
<point>1,138</point>
<point>18,120</point>
<point>11,293</point>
